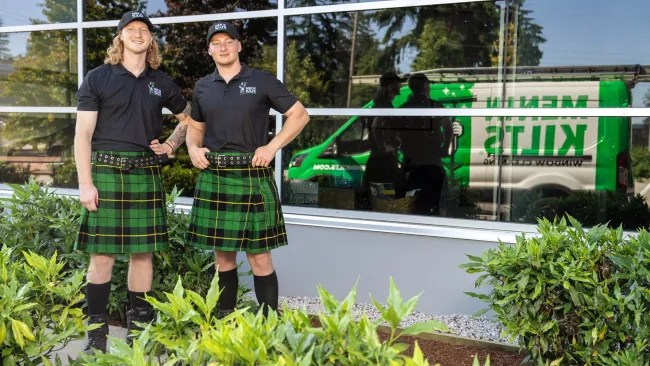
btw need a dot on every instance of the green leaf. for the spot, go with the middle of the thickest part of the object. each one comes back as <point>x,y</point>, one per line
<point>17,333</point>
<point>428,326</point>
<point>401,347</point>
<point>178,289</point>
<point>394,297</point>
<point>3,331</point>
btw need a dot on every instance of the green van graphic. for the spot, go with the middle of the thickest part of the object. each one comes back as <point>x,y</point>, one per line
<point>557,154</point>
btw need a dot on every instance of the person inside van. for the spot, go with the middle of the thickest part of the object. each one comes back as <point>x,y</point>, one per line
<point>383,165</point>
<point>425,141</point>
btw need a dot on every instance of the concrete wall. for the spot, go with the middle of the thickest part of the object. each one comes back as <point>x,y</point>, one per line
<point>335,257</point>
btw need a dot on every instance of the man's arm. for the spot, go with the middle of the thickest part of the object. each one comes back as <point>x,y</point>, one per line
<point>85,127</point>
<point>175,140</point>
<point>297,119</point>
<point>194,142</point>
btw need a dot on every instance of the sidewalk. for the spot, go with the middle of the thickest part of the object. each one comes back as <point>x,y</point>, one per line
<point>74,348</point>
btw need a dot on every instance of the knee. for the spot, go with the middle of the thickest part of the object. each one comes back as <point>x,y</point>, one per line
<point>100,268</point>
<point>141,259</point>
<point>226,261</point>
<point>261,263</point>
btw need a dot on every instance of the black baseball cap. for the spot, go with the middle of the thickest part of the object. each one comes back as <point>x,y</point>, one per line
<point>130,16</point>
<point>390,77</point>
<point>223,27</point>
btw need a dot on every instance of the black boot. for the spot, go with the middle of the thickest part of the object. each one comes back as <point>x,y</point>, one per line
<point>142,315</point>
<point>97,337</point>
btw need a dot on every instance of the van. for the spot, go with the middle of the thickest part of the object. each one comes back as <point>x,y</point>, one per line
<point>553,155</point>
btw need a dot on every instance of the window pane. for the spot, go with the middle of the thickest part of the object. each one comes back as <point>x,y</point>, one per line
<point>159,8</point>
<point>404,40</point>
<point>38,145</point>
<point>37,12</point>
<point>576,54</point>
<point>38,68</point>
<point>375,164</point>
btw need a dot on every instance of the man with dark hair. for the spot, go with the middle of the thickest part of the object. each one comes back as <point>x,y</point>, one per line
<point>236,204</point>
<point>118,157</point>
<point>425,141</point>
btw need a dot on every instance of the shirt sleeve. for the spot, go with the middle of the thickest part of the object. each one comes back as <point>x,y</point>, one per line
<point>176,101</point>
<point>196,107</point>
<point>87,95</point>
<point>280,98</point>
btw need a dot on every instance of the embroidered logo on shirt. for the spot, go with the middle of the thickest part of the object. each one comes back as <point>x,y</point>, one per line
<point>245,90</point>
<point>154,91</point>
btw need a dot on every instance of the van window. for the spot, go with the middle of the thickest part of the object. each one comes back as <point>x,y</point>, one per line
<point>355,139</point>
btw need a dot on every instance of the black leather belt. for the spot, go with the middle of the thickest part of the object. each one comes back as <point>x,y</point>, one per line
<point>126,163</point>
<point>223,161</point>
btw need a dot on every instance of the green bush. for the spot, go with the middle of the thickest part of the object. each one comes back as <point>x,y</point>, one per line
<point>65,175</point>
<point>12,174</point>
<point>589,208</point>
<point>640,162</point>
<point>180,176</point>
<point>36,219</point>
<point>39,312</point>
<point>188,330</point>
<point>572,296</point>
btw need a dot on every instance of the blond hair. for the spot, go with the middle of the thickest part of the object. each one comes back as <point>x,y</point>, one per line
<point>116,53</point>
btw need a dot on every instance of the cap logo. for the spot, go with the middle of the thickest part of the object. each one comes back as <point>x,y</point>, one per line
<point>219,26</point>
<point>136,14</point>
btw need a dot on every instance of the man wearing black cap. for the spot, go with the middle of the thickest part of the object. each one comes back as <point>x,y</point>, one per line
<point>118,158</point>
<point>426,140</point>
<point>236,205</point>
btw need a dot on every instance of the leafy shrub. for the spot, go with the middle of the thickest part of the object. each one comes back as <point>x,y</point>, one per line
<point>180,176</point>
<point>36,219</point>
<point>39,307</point>
<point>640,162</point>
<point>12,174</point>
<point>189,331</point>
<point>65,175</point>
<point>571,296</point>
<point>589,208</point>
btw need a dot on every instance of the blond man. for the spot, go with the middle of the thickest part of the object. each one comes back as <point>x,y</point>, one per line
<point>118,158</point>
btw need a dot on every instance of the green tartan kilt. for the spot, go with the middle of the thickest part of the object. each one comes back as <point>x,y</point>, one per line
<point>236,208</point>
<point>131,216</point>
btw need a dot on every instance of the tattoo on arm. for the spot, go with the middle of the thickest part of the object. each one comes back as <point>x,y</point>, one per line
<point>187,111</point>
<point>177,137</point>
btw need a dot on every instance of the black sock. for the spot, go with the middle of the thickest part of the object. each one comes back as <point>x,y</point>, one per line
<point>136,299</point>
<point>266,291</point>
<point>97,297</point>
<point>229,283</point>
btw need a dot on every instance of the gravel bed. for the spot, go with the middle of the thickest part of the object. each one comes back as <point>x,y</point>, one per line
<point>458,324</point>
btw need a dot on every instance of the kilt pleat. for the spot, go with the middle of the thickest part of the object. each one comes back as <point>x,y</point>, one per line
<point>237,208</point>
<point>131,216</point>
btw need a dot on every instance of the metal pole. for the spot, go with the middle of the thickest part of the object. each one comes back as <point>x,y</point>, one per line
<point>354,43</point>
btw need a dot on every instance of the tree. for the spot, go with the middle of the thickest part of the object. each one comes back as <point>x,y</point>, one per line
<point>45,76</point>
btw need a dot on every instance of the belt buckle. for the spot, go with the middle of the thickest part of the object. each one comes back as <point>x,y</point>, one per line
<point>124,165</point>
<point>221,163</point>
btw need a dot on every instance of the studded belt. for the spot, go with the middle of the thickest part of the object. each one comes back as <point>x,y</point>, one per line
<point>126,163</point>
<point>223,161</point>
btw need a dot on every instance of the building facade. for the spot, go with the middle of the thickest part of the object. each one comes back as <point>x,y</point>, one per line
<point>531,109</point>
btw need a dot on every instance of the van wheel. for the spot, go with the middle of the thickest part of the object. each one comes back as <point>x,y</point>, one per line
<point>536,203</point>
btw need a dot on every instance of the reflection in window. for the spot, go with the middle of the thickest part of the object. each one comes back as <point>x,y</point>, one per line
<point>37,12</point>
<point>334,164</point>
<point>298,3</point>
<point>320,47</point>
<point>37,145</point>
<point>159,8</point>
<point>39,68</point>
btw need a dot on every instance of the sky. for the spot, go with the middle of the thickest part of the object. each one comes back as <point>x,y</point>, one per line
<point>578,32</point>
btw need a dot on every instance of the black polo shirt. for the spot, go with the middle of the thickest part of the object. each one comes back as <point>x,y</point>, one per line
<point>129,107</point>
<point>237,114</point>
